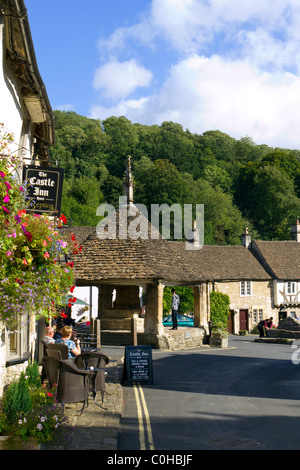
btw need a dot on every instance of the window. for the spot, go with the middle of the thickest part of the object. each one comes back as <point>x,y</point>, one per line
<point>18,340</point>
<point>258,314</point>
<point>255,315</point>
<point>291,287</point>
<point>245,288</point>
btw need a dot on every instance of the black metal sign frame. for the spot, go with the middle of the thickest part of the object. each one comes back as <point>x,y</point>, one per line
<point>44,189</point>
<point>138,367</point>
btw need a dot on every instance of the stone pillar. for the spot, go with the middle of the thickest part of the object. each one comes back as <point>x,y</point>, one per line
<point>154,309</point>
<point>201,305</point>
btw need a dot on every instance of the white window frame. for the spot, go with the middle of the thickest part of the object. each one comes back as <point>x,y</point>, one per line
<point>258,314</point>
<point>291,287</point>
<point>245,288</point>
<point>17,344</point>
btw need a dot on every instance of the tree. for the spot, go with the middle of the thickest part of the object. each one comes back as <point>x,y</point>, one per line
<point>122,141</point>
<point>186,299</point>
<point>266,195</point>
<point>223,221</point>
<point>81,199</point>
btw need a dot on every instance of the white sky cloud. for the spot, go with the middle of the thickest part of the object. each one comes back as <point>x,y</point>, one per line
<point>237,68</point>
<point>120,79</point>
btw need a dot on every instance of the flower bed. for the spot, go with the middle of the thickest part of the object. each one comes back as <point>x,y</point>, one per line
<point>29,411</point>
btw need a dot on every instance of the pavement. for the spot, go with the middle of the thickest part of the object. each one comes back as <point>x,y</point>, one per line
<point>96,428</point>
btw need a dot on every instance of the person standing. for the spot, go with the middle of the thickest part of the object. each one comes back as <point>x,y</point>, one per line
<point>174,306</point>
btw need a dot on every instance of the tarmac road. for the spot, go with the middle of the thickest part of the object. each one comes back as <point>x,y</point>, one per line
<point>243,397</point>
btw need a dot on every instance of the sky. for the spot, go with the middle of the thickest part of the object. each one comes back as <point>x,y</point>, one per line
<point>225,65</point>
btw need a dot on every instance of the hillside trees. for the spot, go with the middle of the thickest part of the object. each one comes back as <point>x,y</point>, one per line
<point>240,183</point>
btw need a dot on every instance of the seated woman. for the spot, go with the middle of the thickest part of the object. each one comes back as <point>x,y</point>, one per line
<point>74,349</point>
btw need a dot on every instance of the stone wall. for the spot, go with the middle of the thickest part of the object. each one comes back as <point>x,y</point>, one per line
<point>261,298</point>
<point>9,373</point>
<point>183,338</point>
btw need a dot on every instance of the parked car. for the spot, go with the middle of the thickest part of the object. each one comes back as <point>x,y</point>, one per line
<point>182,320</point>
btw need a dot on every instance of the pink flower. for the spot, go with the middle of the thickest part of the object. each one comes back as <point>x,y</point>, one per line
<point>46,255</point>
<point>7,185</point>
<point>45,243</point>
<point>2,174</point>
<point>6,198</point>
<point>8,253</point>
<point>5,209</point>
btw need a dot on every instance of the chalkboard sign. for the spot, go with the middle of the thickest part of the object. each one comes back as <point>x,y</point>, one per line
<point>138,364</point>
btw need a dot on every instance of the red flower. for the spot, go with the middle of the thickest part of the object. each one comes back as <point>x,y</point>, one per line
<point>63,219</point>
<point>72,289</point>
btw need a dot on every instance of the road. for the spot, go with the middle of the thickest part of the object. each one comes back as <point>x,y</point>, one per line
<point>243,397</point>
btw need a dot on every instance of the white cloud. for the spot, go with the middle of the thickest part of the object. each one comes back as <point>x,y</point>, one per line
<point>210,93</point>
<point>237,70</point>
<point>65,107</point>
<point>120,79</point>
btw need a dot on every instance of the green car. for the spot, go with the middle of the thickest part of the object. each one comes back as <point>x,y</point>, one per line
<point>182,320</point>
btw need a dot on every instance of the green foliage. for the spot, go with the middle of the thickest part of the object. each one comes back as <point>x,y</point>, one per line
<point>28,409</point>
<point>219,309</point>
<point>17,399</point>
<point>186,299</point>
<point>33,374</point>
<point>240,183</point>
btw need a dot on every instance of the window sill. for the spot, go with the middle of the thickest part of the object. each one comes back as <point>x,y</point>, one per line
<point>18,360</point>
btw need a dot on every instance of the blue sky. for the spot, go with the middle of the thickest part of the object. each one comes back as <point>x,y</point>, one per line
<point>205,64</point>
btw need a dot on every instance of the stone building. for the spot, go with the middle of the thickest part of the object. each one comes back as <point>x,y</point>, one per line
<point>281,259</point>
<point>122,263</point>
<point>234,270</point>
<point>25,111</point>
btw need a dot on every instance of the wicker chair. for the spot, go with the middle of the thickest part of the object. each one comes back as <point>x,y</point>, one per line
<point>58,347</point>
<point>72,383</point>
<point>91,359</point>
<point>97,378</point>
<point>51,367</point>
<point>54,353</point>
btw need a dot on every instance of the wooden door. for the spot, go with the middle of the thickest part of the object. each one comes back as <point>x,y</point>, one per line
<point>244,320</point>
<point>230,323</point>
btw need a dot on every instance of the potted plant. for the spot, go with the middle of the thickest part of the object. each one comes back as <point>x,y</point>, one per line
<point>219,335</point>
<point>29,413</point>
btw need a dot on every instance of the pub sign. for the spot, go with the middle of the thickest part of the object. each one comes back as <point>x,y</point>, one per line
<point>43,188</point>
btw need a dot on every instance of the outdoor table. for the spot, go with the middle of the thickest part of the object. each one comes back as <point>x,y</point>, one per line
<point>90,349</point>
<point>93,375</point>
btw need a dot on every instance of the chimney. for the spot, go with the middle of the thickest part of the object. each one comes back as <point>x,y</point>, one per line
<point>295,231</point>
<point>246,238</point>
<point>194,241</point>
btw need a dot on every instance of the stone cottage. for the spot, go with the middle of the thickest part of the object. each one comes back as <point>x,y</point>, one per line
<point>281,259</point>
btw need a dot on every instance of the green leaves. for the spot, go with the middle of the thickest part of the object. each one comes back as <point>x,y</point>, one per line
<point>240,183</point>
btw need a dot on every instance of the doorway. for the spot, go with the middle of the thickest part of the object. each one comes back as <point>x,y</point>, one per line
<point>230,323</point>
<point>244,320</point>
